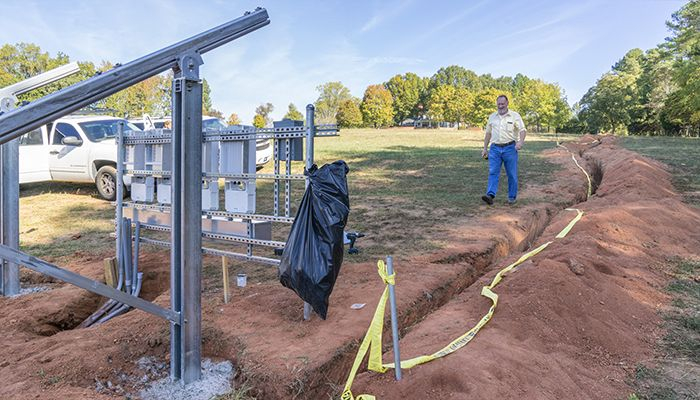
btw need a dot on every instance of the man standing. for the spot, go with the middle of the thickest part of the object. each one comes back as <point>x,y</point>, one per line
<point>505,131</point>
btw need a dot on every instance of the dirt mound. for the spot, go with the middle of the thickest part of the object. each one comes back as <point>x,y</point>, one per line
<point>572,322</point>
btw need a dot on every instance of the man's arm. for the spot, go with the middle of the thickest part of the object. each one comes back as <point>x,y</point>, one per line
<point>521,141</point>
<point>519,144</point>
<point>487,139</point>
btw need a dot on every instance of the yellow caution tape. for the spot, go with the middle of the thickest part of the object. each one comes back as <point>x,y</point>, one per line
<point>590,184</point>
<point>373,338</point>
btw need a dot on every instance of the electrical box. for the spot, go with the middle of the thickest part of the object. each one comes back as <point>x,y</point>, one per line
<point>296,145</point>
<point>238,158</point>
<point>135,157</point>
<point>163,190</point>
<point>162,157</point>
<point>240,196</point>
<point>210,194</point>
<point>142,188</point>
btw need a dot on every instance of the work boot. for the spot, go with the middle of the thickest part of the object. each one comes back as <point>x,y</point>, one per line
<point>488,199</point>
<point>512,201</point>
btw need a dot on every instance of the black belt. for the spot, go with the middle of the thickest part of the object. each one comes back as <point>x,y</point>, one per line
<point>504,144</point>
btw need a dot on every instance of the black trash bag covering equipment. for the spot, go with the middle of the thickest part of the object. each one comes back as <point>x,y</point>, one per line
<point>313,254</point>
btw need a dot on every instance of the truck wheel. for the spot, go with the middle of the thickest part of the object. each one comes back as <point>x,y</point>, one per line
<point>105,181</point>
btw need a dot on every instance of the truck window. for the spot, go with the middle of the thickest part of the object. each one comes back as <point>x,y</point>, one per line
<point>32,138</point>
<point>64,130</point>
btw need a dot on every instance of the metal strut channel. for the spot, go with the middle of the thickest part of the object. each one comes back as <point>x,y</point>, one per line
<point>46,268</point>
<point>207,213</point>
<point>217,252</point>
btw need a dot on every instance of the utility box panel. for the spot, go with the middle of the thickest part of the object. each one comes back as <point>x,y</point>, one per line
<point>135,157</point>
<point>240,196</point>
<point>296,145</point>
<point>210,194</point>
<point>142,188</point>
<point>163,190</point>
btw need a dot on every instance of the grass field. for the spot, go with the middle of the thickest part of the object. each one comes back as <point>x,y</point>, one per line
<point>406,187</point>
<point>681,154</point>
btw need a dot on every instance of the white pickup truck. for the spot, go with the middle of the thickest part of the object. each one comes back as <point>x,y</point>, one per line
<point>84,149</point>
<point>73,149</point>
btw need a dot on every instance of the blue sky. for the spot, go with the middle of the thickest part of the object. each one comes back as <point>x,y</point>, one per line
<point>356,42</point>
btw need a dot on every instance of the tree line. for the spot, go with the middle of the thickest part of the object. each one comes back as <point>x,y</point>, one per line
<point>653,92</point>
<point>453,94</point>
<point>151,96</point>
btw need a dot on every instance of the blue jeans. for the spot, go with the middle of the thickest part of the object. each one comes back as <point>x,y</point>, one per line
<point>508,157</point>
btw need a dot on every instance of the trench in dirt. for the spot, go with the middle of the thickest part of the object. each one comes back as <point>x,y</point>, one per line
<point>473,265</point>
<point>82,304</point>
<point>476,265</point>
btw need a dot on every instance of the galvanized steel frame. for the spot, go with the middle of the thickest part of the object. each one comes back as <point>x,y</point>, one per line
<point>184,58</point>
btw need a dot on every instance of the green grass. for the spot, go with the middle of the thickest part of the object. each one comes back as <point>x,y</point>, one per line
<point>407,188</point>
<point>681,154</point>
<point>681,343</point>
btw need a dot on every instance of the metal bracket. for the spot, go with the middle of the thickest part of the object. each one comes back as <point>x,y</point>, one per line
<point>7,104</point>
<point>188,65</point>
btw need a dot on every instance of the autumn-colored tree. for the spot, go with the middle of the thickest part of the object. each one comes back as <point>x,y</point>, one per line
<point>233,119</point>
<point>349,115</point>
<point>377,106</point>
<point>293,113</point>
<point>259,121</point>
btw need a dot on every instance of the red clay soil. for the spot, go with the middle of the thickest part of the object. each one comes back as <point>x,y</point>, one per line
<point>571,323</point>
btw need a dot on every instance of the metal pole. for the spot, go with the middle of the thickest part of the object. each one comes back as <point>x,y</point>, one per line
<point>394,320</point>
<point>9,215</point>
<point>120,188</point>
<point>310,133</point>
<point>175,231</point>
<point>191,228</point>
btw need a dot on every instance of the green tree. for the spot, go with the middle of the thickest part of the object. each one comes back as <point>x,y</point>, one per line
<point>331,94</point>
<point>259,121</point>
<point>683,106</point>
<point>449,104</point>
<point>293,113</point>
<point>606,104</point>
<point>538,103</point>
<point>456,76</point>
<point>483,105</point>
<point>151,96</point>
<point>406,91</point>
<point>504,83</point>
<point>233,119</point>
<point>377,106</point>
<point>25,60</point>
<point>264,111</point>
<point>349,115</point>
<point>439,105</point>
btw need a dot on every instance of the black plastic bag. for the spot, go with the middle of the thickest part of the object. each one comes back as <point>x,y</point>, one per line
<point>314,252</point>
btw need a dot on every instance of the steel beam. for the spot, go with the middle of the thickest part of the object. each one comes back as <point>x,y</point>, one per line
<point>186,228</point>
<point>9,215</point>
<point>191,229</point>
<point>88,284</point>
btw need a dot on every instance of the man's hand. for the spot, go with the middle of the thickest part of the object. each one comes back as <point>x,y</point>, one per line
<point>519,144</point>
<point>484,153</point>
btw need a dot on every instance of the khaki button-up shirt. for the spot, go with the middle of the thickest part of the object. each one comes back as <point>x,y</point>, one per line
<point>505,128</point>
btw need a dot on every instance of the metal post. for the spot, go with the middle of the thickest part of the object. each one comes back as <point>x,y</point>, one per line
<point>175,231</point>
<point>310,133</point>
<point>186,220</point>
<point>191,228</point>
<point>9,215</point>
<point>394,320</point>
<point>120,189</point>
